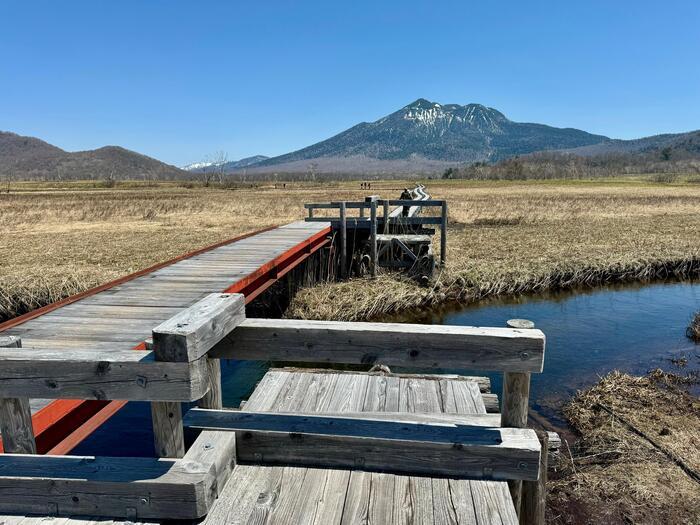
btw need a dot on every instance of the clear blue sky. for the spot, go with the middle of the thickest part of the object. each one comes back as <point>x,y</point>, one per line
<point>180,80</point>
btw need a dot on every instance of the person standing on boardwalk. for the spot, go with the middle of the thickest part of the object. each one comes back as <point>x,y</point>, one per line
<point>406,196</point>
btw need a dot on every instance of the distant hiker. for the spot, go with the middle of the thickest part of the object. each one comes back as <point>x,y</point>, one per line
<point>406,196</point>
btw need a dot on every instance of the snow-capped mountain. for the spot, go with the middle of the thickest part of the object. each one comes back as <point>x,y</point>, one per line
<point>435,134</point>
<point>227,166</point>
<point>197,166</point>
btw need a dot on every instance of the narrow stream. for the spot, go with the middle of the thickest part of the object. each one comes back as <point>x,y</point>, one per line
<point>589,333</point>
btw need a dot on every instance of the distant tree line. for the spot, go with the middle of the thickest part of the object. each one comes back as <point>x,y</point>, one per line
<point>553,165</point>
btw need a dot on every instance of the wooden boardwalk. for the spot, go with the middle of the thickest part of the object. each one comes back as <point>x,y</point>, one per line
<point>286,495</point>
<point>309,446</point>
<point>121,317</point>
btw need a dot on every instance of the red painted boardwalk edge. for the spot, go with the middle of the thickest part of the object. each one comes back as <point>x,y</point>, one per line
<point>63,424</point>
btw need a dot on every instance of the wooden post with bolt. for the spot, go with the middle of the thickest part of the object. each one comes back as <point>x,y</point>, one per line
<point>516,397</point>
<point>343,242</point>
<point>373,236</point>
<point>534,493</point>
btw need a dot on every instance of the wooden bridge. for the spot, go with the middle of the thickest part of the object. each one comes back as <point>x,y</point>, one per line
<point>309,446</point>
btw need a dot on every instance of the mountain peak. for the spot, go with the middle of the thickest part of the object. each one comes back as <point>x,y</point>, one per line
<point>422,103</point>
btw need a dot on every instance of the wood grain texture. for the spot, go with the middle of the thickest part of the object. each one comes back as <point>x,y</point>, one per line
<point>111,487</point>
<point>406,444</point>
<point>168,432</point>
<point>190,334</point>
<point>98,374</point>
<point>260,494</point>
<point>16,426</point>
<point>427,346</point>
<point>534,493</point>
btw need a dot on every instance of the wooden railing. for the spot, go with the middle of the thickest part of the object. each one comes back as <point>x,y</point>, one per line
<point>376,222</point>
<point>183,366</point>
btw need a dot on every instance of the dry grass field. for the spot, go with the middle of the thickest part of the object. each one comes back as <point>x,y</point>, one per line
<point>504,237</point>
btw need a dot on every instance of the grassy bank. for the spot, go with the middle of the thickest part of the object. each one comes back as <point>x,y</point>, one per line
<point>510,238</point>
<point>636,459</point>
<point>504,237</point>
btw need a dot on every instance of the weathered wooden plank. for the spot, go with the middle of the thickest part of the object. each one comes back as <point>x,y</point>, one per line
<point>430,346</point>
<point>380,444</point>
<point>16,414</point>
<point>98,374</point>
<point>190,334</point>
<point>484,383</point>
<point>111,487</point>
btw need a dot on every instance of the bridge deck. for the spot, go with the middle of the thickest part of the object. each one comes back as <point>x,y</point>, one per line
<point>281,495</point>
<point>122,316</point>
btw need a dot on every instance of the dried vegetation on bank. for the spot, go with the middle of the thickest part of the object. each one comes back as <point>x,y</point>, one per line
<point>637,459</point>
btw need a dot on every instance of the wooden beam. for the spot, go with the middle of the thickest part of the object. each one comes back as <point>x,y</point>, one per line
<point>15,414</point>
<point>98,374</point>
<point>403,445</point>
<point>188,335</point>
<point>428,346</point>
<point>133,488</point>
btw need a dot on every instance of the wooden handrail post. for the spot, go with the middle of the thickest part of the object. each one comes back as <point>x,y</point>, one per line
<point>443,235</point>
<point>343,242</point>
<point>311,213</point>
<point>534,498</point>
<point>373,236</point>
<point>187,337</point>
<point>386,217</point>
<point>16,415</point>
<point>516,397</point>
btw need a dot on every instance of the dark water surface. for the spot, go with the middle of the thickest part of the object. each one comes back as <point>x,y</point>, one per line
<point>589,333</point>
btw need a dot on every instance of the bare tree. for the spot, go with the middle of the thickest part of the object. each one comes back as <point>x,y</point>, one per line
<point>219,160</point>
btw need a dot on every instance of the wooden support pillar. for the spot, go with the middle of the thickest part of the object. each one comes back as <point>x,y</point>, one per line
<point>343,242</point>
<point>516,397</point>
<point>373,236</point>
<point>168,431</point>
<point>386,217</point>
<point>311,213</point>
<point>534,497</point>
<point>16,415</point>
<point>443,235</point>
<point>213,398</point>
